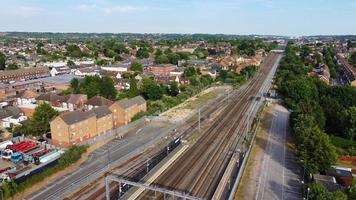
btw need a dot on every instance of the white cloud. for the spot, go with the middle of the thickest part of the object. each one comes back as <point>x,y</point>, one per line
<point>124,9</point>
<point>23,11</point>
<point>86,7</point>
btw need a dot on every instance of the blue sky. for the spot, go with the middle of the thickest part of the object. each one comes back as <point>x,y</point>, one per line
<point>278,17</point>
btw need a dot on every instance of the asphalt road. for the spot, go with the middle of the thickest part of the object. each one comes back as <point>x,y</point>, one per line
<point>115,150</point>
<point>280,174</point>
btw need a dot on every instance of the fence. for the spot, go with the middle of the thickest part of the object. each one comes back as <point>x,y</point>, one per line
<point>146,168</point>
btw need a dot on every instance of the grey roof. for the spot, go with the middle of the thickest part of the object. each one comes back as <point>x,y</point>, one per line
<point>76,116</point>
<point>9,111</point>
<point>139,100</point>
<point>74,98</point>
<point>51,97</point>
<point>126,103</point>
<point>59,79</point>
<point>99,101</point>
<point>101,111</point>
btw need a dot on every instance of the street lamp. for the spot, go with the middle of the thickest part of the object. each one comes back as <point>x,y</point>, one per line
<point>308,194</point>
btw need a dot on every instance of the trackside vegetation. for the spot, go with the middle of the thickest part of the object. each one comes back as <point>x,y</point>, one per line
<point>323,116</point>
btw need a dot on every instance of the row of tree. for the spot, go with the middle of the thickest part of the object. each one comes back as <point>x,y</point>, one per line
<point>94,85</point>
<point>318,110</point>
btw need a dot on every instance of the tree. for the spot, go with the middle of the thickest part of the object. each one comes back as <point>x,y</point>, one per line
<point>74,51</point>
<point>41,117</point>
<point>190,71</point>
<point>314,148</point>
<point>223,74</point>
<point>74,83</point>
<point>350,123</point>
<point>173,89</point>
<point>70,64</point>
<point>2,61</point>
<point>162,59</point>
<point>142,53</point>
<point>133,91</point>
<point>352,190</point>
<point>151,90</point>
<point>319,192</point>
<point>136,67</point>
<point>353,58</point>
<point>12,66</point>
<point>107,88</point>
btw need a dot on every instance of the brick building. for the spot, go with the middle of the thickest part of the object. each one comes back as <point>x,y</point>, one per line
<point>23,74</point>
<point>163,69</point>
<point>125,109</point>
<point>74,127</point>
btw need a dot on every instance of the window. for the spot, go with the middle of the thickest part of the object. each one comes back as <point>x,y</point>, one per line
<point>58,126</point>
<point>72,126</point>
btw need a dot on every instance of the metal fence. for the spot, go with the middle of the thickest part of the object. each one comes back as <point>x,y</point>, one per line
<point>146,168</point>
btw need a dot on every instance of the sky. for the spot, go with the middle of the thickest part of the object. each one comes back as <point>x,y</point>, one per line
<point>269,17</point>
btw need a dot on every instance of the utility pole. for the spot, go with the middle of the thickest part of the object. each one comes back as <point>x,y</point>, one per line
<point>199,119</point>
<point>147,165</point>
<point>108,152</point>
<point>107,188</point>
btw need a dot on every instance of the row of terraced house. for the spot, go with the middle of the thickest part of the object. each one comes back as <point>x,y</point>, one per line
<point>100,117</point>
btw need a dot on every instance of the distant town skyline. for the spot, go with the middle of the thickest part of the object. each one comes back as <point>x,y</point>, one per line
<point>242,17</point>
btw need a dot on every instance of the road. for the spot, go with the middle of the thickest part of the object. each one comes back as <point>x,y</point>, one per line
<point>119,150</point>
<point>280,174</point>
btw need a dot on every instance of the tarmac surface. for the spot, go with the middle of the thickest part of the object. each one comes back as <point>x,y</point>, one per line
<point>280,174</point>
<point>115,150</point>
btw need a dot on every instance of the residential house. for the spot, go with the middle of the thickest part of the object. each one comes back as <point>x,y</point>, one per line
<point>70,101</point>
<point>26,97</point>
<point>76,101</point>
<point>349,70</point>
<point>124,110</point>
<point>72,128</point>
<point>78,126</point>
<point>88,71</point>
<point>163,69</point>
<point>59,71</point>
<point>11,116</point>
<point>97,101</point>
<point>24,74</point>
<point>104,119</point>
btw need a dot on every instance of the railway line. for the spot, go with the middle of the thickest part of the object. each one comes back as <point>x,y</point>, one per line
<point>199,170</point>
<point>96,190</point>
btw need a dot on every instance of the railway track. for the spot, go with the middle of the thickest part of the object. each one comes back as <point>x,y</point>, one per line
<point>199,170</point>
<point>210,153</point>
<point>95,190</point>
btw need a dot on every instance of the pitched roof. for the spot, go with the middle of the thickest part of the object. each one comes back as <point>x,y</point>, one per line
<point>76,116</point>
<point>99,101</point>
<point>27,94</point>
<point>51,97</point>
<point>126,103</point>
<point>24,71</point>
<point>75,98</point>
<point>101,111</point>
<point>138,100</point>
<point>9,111</point>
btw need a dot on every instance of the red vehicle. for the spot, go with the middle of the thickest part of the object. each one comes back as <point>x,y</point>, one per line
<point>23,146</point>
<point>40,153</point>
